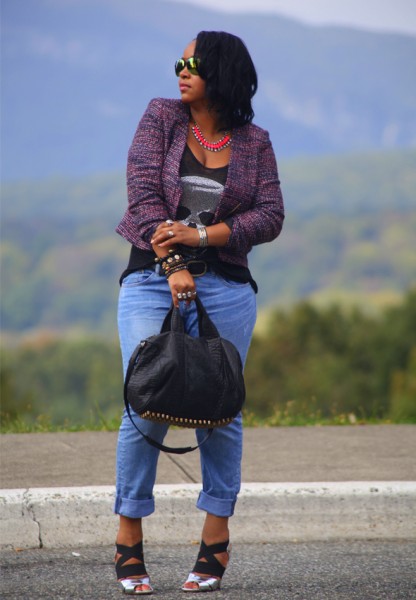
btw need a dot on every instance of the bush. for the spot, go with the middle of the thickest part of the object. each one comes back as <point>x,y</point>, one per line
<point>311,365</point>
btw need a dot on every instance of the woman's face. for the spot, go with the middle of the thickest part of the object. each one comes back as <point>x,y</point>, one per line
<point>191,87</point>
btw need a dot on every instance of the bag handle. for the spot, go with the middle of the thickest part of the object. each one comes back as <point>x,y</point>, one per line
<point>174,322</point>
<point>206,326</point>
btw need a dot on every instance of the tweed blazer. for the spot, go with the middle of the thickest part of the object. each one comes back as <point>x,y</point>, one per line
<point>251,195</point>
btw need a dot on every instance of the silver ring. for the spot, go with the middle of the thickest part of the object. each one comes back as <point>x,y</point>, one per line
<point>179,296</point>
<point>189,294</point>
<point>170,233</point>
<point>169,222</point>
<point>193,293</point>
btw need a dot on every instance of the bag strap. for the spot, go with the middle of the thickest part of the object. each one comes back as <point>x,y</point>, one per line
<point>169,449</point>
<point>206,326</point>
<point>151,441</point>
<point>174,322</point>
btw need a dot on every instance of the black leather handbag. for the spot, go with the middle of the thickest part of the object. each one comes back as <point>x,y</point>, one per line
<point>186,381</point>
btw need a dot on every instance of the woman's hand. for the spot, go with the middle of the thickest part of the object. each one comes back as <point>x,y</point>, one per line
<point>171,233</point>
<point>182,283</point>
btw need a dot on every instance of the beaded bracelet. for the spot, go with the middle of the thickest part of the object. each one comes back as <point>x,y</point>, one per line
<point>160,259</point>
<point>172,263</point>
<point>181,267</point>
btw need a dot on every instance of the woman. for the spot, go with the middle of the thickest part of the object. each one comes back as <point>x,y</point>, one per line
<point>202,182</point>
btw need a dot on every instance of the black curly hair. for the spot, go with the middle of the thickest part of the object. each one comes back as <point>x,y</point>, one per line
<point>230,76</point>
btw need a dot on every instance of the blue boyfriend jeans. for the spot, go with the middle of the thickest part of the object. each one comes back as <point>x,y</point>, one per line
<point>144,301</point>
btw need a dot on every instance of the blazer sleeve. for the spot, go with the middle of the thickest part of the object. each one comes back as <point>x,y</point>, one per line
<point>146,206</point>
<point>263,221</point>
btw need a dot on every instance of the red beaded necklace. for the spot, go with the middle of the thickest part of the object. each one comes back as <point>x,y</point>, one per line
<point>211,146</point>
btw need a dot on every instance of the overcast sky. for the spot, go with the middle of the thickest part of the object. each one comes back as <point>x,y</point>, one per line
<point>379,15</point>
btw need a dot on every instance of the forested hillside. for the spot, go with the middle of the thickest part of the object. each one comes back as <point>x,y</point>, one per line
<point>349,230</point>
<point>348,235</point>
<point>309,366</point>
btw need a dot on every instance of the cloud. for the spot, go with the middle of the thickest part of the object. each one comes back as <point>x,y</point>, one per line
<point>72,51</point>
<point>45,45</point>
<point>110,109</point>
<point>381,15</point>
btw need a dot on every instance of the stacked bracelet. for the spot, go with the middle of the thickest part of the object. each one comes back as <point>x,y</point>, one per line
<point>182,267</point>
<point>172,263</point>
<point>203,237</point>
<point>160,259</point>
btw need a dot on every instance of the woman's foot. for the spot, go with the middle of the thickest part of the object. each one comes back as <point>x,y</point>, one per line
<point>209,568</point>
<point>129,561</point>
<point>136,587</point>
<point>131,571</point>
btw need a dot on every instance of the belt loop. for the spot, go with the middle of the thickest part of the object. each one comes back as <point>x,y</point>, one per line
<point>157,269</point>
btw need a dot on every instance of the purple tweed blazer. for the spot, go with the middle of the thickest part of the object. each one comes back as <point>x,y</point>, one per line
<point>251,194</point>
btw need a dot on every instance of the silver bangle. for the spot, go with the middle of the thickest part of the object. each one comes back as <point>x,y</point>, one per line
<point>203,237</point>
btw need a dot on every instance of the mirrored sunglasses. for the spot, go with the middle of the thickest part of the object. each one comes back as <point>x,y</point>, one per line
<point>191,64</point>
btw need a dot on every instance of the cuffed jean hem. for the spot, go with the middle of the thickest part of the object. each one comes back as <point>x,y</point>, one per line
<point>134,509</point>
<point>220,507</point>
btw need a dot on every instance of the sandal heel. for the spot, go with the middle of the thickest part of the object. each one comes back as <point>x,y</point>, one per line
<point>132,576</point>
<point>207,574</point>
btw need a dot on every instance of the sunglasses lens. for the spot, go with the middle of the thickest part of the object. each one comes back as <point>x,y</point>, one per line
<point>179,66</point>
<point>191,64</point>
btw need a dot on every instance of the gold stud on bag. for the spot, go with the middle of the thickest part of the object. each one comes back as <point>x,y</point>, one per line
<point>194,382</point>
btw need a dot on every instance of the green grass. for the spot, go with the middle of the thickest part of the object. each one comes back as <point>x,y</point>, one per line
<point>43,423</point>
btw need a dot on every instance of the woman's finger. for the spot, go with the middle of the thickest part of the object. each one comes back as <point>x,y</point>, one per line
<point>186,295</point>
<point>160,233</point>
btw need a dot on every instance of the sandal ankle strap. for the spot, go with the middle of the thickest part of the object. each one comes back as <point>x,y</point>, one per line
<point>211,565</point>
<point>218,548</point>
<point>138,569</point>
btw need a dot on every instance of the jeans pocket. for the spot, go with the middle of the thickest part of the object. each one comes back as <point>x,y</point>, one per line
<point>138,278</point>
<point>232,283</point>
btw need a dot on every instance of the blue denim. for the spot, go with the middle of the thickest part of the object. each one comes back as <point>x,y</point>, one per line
<point>144,301</point>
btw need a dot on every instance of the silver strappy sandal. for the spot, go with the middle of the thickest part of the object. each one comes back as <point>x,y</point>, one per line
<point>130,586</point>
<point>207,574</point>
<point>132,576</point>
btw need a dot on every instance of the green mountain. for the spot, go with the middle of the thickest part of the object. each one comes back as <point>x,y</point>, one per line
<point>349,230</point>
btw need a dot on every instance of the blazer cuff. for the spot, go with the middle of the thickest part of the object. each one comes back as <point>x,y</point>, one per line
<point>229,221</point>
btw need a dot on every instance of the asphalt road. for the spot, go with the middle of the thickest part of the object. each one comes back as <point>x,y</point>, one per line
<point>365,570</point>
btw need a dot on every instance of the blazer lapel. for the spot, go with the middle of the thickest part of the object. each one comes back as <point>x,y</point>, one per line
<point>238,178</point>
<point>173,159</point>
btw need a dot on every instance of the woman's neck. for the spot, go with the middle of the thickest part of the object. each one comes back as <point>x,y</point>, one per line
<point>207,121</point>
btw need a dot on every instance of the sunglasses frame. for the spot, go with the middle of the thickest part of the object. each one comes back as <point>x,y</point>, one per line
<point>190,63</point>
